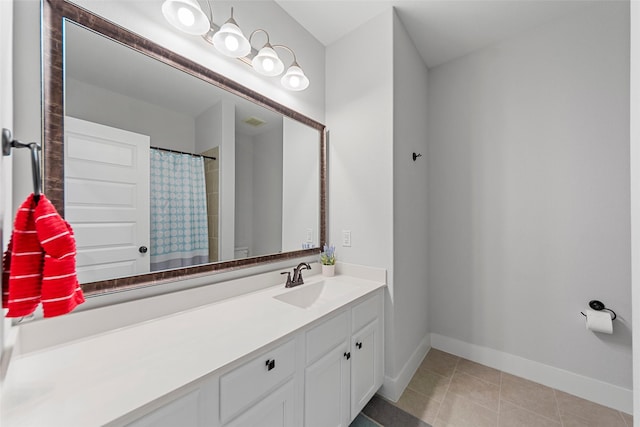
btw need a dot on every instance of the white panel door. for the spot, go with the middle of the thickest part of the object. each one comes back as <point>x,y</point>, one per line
<point>106,172</point>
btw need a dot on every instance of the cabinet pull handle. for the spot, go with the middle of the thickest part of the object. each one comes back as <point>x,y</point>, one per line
<point>359,345</point>
<point>270,364</point>
<point>347,355</point>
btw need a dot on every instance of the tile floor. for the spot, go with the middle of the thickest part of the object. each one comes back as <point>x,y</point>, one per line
<point>449,391</point>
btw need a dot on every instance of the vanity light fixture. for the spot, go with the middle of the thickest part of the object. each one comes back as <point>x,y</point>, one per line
<point>266,62</point>
<point>187,16</point>
<point>230,41</point>
<point>294,78</point>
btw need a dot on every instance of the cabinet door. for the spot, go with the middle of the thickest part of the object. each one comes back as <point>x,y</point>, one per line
<point>327,390</point>
<point>275,410</point>
<point>366,365</point>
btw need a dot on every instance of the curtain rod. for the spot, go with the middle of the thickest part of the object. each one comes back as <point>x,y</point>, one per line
<point>183,152</point>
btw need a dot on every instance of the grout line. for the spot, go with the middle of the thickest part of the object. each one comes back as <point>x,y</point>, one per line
<point>555,397</point>
<point>475,402</point>
<point>444,396</point>
<point>500,399</point>
<point>623,419</point>
<point>533,412</point>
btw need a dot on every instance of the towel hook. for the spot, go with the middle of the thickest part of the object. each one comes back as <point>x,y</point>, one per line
<point>8,143</point>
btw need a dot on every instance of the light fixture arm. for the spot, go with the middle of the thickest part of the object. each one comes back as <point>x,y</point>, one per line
<point>281,46</point>
<point>210,11</point>
<point>260,30</point>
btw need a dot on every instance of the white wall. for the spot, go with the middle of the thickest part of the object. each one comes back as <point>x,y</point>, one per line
<point>300,188</point>
<point>267,192</point>
<point>259,192</point>
<point>376,112</point>
<point>409,203</point>
<point>6,121</point>
<point>360,119</point>
<point>635,197</point>
<point>26,88</point>
<point>244,192</point>
<point>529,195</point>
<point>215,127</point>
<point>167,129</point>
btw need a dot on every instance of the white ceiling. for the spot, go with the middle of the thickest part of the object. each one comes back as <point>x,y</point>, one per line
<point>442,30</point>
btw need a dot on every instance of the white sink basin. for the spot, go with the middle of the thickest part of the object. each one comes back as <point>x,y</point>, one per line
<point>306,296</point>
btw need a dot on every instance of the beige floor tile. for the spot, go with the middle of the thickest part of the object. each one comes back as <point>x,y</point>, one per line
<point>430,384</point>
<point>476,390</point>
<point>477,370</point>
<point>627,419</point>
<point>456,411</point>
<point>440,362</point>
<point>529,395</point>
<point>575,410</point>
<point>514,416</point>
<point>419,406</point>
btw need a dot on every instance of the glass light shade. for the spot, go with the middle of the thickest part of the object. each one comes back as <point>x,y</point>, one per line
<point>230,41</point>
<point>267,62</point>
<point>294,79</point>
<point>186,16</point>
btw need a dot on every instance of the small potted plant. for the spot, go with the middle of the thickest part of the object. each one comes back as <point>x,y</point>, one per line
<point>328,260</point>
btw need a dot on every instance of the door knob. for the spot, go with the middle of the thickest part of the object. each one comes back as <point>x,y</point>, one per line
<point>143,249</point>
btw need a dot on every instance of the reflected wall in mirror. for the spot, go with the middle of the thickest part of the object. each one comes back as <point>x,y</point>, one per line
<point>168,169</point>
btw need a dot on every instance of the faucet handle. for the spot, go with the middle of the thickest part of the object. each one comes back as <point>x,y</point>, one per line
<point>288,273</point>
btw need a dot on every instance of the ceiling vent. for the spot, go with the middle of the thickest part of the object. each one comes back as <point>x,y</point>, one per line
<point>254,121</point>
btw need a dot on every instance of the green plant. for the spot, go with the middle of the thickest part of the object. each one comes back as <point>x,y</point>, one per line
<point>328,255</point>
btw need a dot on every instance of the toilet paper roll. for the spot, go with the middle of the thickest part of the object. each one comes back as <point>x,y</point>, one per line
<point>599,321</point>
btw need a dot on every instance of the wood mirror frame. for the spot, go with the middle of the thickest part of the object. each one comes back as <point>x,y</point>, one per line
<point>54,14</point>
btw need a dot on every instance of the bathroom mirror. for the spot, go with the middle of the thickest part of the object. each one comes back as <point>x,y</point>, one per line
<point>166,169</point>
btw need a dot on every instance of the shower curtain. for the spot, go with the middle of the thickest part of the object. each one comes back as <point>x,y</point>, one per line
<point>179,232</point>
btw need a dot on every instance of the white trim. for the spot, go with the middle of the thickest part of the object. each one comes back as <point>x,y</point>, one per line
<point>588,388</point>
<point>392,388</point>
<point>635,197</point>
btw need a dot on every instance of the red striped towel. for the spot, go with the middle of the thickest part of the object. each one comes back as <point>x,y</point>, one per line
<point>42,262</point>
<point>23,264</point>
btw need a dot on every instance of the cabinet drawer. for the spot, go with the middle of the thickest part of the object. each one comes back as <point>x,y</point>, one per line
<point>251,381</point>
<point>365,312</point>
<point>327,336</point>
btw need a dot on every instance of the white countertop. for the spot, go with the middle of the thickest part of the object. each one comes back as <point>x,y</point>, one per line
<point>96,380</point>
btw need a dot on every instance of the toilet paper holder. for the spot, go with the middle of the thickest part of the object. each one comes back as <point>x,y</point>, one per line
<point>599,306</point>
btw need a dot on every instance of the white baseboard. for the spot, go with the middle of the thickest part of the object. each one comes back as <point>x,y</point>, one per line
<point>392,388</point>
<point>588,388</point>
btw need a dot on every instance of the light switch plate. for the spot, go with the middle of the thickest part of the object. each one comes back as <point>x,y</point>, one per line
<point>309,235</point>
<point>346,238</point>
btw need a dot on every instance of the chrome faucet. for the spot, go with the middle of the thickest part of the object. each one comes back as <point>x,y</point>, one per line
<point>297,275</point>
